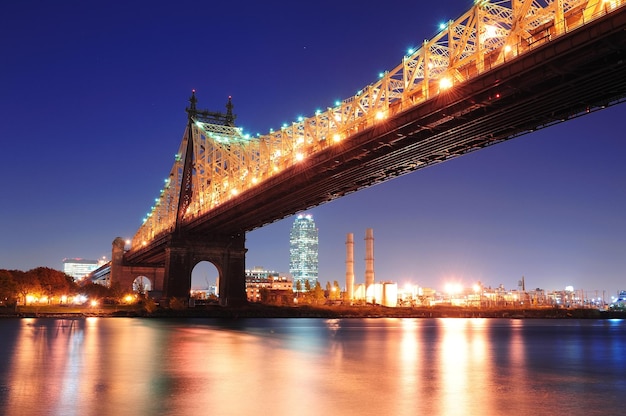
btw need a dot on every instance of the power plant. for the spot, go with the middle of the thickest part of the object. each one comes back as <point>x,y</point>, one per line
<point>350,266</point>
<point>383,293</point>
<point>369,264</point>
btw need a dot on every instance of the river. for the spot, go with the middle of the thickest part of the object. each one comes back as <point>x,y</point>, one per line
<point>382,366</point>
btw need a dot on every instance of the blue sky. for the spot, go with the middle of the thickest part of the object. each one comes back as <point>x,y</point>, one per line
<point>92,99</point>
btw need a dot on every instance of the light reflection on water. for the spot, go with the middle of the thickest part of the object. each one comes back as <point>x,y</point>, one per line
<point>132,366</point>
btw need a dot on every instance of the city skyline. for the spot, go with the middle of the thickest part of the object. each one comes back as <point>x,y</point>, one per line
<point>93,103</point>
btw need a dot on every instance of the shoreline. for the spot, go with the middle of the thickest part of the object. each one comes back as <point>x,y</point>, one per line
<point>335,312</point>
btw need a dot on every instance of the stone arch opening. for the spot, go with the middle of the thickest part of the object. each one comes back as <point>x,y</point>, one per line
<point>142,285</point>
<point>205,281</point>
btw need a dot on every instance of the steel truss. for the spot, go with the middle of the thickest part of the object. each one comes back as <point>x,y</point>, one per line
<point>226,162</point>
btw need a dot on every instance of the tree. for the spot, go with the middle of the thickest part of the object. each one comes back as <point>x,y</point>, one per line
<point>318,293</point>
<point>335,292</point>
<point>53,282</point>
<point>8,288</point>
<point>27,284</point>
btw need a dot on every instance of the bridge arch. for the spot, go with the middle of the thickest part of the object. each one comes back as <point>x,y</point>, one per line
<point>142,285</point>
<point>226,252</point>
<point>204,280</point>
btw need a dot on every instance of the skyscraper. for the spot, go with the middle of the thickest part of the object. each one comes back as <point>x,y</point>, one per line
<point>303,252</point>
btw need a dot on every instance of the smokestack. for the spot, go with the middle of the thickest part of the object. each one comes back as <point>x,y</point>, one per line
<point>350,266</point>
<point>369,259</point>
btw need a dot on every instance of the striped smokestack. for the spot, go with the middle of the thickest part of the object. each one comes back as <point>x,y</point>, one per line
<point>369,259</point>
<point>350,266</point>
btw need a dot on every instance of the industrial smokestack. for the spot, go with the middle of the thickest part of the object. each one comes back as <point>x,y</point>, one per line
<point>350,266</point>
<point>369,259</point>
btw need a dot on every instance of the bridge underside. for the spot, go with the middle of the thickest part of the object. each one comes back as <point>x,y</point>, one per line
<point>582,71</point>
<point>579,72</point>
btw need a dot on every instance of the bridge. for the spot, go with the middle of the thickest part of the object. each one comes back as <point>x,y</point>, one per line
<point>499,71</point>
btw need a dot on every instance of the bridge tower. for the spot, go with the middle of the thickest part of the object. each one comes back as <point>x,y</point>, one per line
<point>186,249</point>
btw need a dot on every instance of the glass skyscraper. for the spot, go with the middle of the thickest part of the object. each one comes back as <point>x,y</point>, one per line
<point>303,252</point>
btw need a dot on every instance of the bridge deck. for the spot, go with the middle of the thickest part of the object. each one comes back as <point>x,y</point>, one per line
<point>576,73</point>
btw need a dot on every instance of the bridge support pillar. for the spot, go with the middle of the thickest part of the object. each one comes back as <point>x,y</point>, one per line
<point>178,267</point>
<point>232,282</point>
<point>226,253</point>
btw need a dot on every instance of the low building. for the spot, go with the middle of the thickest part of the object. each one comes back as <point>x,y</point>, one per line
<point>276,285</point>
<point>79,268</point>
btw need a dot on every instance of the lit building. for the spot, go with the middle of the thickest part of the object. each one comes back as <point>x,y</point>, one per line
<point>259,279</point>
<point>79,268</point>
<point>382,293</point>
<point>303,252</point>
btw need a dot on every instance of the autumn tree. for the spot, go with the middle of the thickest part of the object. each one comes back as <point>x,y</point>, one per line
<point>27,283</point>
<point>53,282</point>
<point>8,288</point>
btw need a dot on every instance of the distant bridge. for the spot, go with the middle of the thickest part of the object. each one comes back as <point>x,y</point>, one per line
<point>497,72</point>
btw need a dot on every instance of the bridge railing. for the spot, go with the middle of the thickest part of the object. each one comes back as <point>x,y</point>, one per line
<point>227,162</point>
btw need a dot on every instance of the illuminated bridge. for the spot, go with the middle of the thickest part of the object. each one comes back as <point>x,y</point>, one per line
<point>500,70</point>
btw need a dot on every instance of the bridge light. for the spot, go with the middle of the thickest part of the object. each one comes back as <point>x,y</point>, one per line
<point>300,140</point>
<point>410,51</point>
<point>445,83</point>
<point>442,26</point>
<point>489,33</point>
<point>507,49</point>
<point>318,112</point>
<point>336,137</point>
<point>380,115</point>
<point>337,103</point>
<point>234,192</point>
<point>299,156</point>
<point>254,180</point>
<point>300,118</point>
<point>337,117</point>
<point>381,74</point>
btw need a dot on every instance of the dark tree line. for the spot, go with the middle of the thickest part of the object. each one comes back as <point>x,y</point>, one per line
<point>41,282</point>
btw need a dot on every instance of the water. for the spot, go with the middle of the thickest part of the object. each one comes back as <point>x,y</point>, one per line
<point>115,366</point>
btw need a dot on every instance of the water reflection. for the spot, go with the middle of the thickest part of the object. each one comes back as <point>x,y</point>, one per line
<point>310,366</point>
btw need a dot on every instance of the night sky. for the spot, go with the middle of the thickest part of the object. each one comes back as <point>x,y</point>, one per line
<point>92,111</point>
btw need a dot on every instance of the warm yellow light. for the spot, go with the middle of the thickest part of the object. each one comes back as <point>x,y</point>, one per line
<point>299,156</point>
<point>128,298</point>
<point>490,32</point>
<point>94,303</point>
<point>234,192</point>
<point>30,299</point>
<point>300,140</point>
<point>254,180</point>
<point>507,49</point>
<point>380,115</point>
<point>453,288</point>
<point>336,137</point>
<point>445,83</point>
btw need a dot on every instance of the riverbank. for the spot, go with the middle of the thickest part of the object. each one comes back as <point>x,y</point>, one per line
<point>330,312</point>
